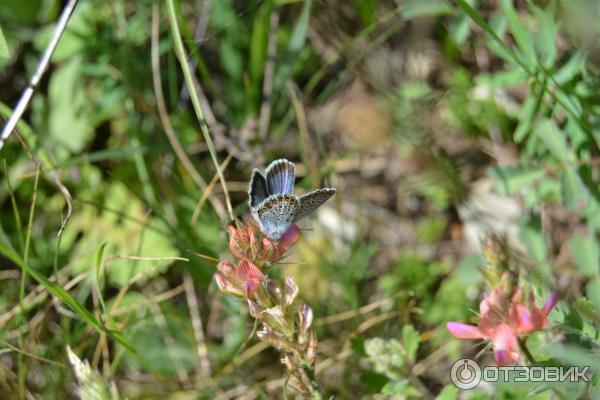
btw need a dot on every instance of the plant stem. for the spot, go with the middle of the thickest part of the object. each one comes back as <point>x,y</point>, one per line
<point>191,84</point>
<point>531,359</point>
<point>22,369</point>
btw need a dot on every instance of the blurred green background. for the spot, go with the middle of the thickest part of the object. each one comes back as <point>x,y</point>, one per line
<point>440,123</point>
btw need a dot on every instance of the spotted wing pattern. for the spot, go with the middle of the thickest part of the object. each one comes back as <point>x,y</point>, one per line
<point>280,177</point>
<point>312,200</point>
<point>257,189</point>
<point>275,214</point>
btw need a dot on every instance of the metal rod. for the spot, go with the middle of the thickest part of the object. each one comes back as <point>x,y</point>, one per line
<point>39,73</point>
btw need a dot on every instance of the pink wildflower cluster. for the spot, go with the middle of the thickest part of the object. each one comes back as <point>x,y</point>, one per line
<point>286,322</point>
<point>504,318</point>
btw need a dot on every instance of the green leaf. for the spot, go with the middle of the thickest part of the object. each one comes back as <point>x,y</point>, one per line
<point>410,340</point>
<point>519,31</point>
<point>373,381</point>
<point>422,8</point>
<point>258,47</point>
<point>295,45</point>
<point>545,39</point>
<point>4,52</point>
<point>593,292</point>
<point>573,355</point>
<point>69,119</point>
<point>511,77</point>
<point>554,140</point>
<point>495,29</point>
<point>571,68</point>
<point>401,388</point>
<point>527,114</point>
<point>586,252</point>
<point>128,238</point>
<point>366,9</point>
<point>531,236</point>
<point>499,26</point>
<point>449,392</point>
<point>64,296</point>
<point>460,26</point>
<point>512,179</point>
<point>575,196</point>
<point>156,354</point>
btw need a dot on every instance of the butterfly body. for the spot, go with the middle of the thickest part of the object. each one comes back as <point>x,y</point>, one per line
<point>272,203</point>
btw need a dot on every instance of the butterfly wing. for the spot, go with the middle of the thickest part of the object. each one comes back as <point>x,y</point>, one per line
<point>311,201</point>
<point>280,177</point>
<point>275,214</point>
<point>258,190</point>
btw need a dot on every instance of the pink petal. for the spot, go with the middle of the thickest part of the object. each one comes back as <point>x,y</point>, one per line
<point>247,270</point>
<point>226,286</point>
<point>550,303</point>
<point>506,345</point>
<point>504,357</point>
<point>522,319</point>
<point>289,238</point>
<point>251,286</point>
<point>464,331</point>
<point>226,267</point>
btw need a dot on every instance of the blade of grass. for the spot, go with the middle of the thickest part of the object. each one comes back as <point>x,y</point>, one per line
<point>562,98</point>
<point>207,193</point>
<point>45,161</point>
<point>521,34</point>
<point>297,39</point>
<point>4,52</point>
<point>191,84</point>
<point>99,275</point>
<point>307,154</point>
<point>166,121</point>
<point>476,17</point>
<point>65,297</point>
<point>22,371</point>
<point>15,209</point>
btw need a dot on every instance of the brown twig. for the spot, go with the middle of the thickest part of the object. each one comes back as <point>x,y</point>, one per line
<point>192,301</point>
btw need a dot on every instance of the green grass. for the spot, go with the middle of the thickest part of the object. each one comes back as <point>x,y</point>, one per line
<point>103,219</point>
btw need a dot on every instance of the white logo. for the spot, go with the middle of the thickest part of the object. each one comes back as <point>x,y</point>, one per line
<point>465,374</point>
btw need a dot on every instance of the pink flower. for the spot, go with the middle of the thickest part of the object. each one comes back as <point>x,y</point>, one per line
<point>504,318</point>
<point>242,280</point>
<point>246,241</point>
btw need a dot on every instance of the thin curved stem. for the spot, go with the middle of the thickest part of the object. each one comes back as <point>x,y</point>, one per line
<point>191,84</point>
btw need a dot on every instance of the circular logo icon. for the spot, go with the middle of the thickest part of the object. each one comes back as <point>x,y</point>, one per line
<point>465,374</point>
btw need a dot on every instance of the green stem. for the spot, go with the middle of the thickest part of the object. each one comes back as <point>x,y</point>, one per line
<point>22,369</point>
<point>182,57</point>
<point>531,359</point>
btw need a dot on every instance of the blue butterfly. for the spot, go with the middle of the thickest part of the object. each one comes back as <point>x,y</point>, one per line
<point>272,202</point>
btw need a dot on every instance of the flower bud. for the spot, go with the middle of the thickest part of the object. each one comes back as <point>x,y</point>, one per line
<point>305,317</point>
<point>242,280</point>
<point>255,309</point>
<point>290,291</point>
<point>311,350</point>
<point>274,287</point>
<point>276,318</point>
<point>267,335</point>
<point>246,241</point>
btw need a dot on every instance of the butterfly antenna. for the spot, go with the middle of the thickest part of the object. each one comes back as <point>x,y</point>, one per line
<point>291,263</point>
<point>204,256</point>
